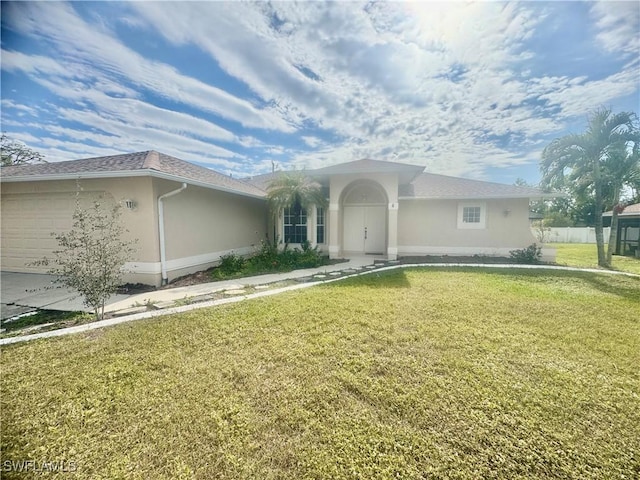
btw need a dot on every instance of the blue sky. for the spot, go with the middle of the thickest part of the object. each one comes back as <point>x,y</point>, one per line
<point>466,89</point>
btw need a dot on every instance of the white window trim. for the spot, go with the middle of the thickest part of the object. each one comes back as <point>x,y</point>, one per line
<point>307,220</point>
<point>482,224</point>
<point>324,226</point>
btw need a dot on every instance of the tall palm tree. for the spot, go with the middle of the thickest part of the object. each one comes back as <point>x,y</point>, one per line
<point>294,190</point>
<point>621,167</point>
<point>580,160</point>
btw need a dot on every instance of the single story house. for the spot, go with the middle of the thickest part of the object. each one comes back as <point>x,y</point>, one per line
<point>628,240</point>
<point>186,217</point>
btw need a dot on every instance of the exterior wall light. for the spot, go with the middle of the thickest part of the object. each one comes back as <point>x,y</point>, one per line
<point>130,204</point>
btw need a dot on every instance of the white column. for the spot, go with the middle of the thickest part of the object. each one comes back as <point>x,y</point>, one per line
<point>392,231</point>
<point>312,220</point>
<point>334,242</point>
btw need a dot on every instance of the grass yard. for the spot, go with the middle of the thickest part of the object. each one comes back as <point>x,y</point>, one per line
<point>417,373</point>
<point>585,255</point>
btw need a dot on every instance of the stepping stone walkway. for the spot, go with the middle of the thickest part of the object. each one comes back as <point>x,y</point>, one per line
<point>235,291</point>
<point>129,311</point>
<point>166,304</point>
<point>36,327</point>
<point>202,298</point>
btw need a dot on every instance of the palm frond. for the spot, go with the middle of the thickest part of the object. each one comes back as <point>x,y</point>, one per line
<point>294,188</point>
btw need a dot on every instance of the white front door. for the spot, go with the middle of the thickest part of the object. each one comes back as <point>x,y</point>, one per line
<point>365,229</point>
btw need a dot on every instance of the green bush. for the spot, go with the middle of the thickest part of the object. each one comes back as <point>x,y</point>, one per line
<point>266,259</point>
<point>309,257</point>
<point>530,255</point>
<point>231,263</point>
<point>269,258</point>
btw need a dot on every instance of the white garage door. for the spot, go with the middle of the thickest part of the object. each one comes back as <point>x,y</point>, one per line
<point>27,223</point>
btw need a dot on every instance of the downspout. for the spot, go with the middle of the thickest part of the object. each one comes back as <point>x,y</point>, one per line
<point>163,252</point>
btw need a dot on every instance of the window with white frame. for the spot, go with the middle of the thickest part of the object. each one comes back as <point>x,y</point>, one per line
<point>320,225</point>
<point>472,215</point>
<point>295,224</point>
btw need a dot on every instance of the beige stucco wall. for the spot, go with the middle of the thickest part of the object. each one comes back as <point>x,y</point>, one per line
<point>61,193</point>
<point>431,227</point>
<point>201,224</point>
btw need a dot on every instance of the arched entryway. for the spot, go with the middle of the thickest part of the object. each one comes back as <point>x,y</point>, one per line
<point>364,218</point>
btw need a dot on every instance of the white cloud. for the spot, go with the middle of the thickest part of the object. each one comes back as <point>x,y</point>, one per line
<point>312,141</point>
<point>441,84</point>
<point>81,43</point>
<point>22,109</point>
<point>410,75</point>
<point>578,96</point>
<point>618,24</point>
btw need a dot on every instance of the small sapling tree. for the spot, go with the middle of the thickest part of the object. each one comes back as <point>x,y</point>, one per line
<point>91,256</point>
<point>542,231</point>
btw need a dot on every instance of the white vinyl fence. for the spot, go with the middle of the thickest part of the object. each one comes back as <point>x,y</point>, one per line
<point>571,234</point>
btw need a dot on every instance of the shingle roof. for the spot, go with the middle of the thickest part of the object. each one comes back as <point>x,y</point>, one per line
<point>423,185</point>
<point>633,209</point>
<point>263,181</point>
<point>139,162</point>
<point>433,186</point>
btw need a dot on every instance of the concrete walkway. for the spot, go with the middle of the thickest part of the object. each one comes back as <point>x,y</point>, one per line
<point>184,294</point>
<point>25,293</point>
<point>310,277</point>
<point>22,293</point>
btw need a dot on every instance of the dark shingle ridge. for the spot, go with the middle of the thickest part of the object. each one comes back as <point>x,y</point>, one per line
<point>111,163</point>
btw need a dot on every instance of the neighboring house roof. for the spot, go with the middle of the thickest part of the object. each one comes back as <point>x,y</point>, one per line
<point>129,165</point>
<point>433,186</point>
<point>629,210</point>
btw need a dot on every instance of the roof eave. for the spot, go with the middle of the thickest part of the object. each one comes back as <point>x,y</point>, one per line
<point>478,197</point>
<point>127,174</point>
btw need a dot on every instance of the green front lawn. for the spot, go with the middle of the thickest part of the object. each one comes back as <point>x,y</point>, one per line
<point>585,255</point>
<point>416,373</point>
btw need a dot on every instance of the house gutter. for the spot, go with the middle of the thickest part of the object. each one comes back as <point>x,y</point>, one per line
<point>163,252</point>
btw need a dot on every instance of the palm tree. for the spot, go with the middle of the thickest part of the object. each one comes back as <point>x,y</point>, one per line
<point>580,161</point>
<point>294,190</point>
<point>621,167</point>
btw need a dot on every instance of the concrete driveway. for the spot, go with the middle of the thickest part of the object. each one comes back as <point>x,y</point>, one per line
<point>27,292</point>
